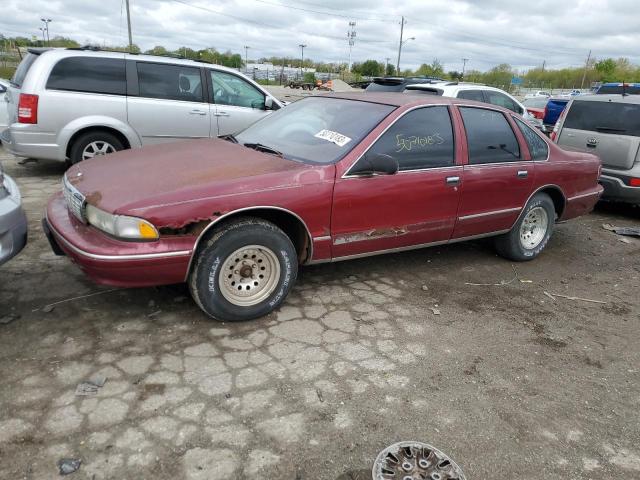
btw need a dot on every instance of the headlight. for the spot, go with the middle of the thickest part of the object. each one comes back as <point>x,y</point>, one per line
<point>120,226</point>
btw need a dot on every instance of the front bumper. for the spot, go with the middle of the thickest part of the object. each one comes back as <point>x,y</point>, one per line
<point>110,261</point>
<point>617,190</point>
<point>13,223</point>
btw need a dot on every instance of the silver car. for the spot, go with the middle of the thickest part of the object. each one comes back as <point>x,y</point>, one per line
<point>4,86</point>
<point>609,126</point>
<point>13,222</point>
<point>74,104</point>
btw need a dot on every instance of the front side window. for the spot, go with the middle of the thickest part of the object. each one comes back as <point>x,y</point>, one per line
<point>489,136</point>
<point>169,82</point>
<point>89,74</point>
<point>318,130</point>
<point>422,138</point>
<point>537,146</point>
<point>475,95</point>
<point>229,89</point>
<point>501,100</point>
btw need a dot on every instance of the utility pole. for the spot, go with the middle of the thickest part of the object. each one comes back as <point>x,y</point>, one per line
<point>351,36</point>
<point>400,45</point>
<point>246,62</point>
<point>129,26</point>
<point>302,45</point>
<point>386,65</point>
<point>544,63</point>
<point>584,75</point>
<point>464,64</point>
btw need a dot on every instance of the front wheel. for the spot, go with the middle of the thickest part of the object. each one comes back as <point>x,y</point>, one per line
<point>532,231</point>
<point>244,271</point>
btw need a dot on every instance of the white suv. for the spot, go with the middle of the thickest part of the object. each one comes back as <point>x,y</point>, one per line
<point>74,104</point>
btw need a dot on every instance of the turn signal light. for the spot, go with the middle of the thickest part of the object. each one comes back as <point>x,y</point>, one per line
<point>28,108</point>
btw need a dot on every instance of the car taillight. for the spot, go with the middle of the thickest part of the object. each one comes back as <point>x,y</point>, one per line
<point>28,108</point>
<point>634,182</point>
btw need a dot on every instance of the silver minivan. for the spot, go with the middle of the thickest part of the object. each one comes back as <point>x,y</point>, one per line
<point>609,126</point>
<point>74,104</point>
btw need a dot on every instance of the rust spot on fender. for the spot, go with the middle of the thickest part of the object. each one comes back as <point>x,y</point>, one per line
<point>371,234</point>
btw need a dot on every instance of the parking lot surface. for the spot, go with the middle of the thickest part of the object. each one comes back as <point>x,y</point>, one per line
<point>451,346</point>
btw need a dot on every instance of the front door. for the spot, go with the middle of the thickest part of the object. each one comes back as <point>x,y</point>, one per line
<point>169,105</point>
<point>498,178</point>
<point>415,206</point>
<point>238,104</point>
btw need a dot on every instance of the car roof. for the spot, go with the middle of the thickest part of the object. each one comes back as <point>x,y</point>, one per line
<point>612,97</point>
<point>397,99</point>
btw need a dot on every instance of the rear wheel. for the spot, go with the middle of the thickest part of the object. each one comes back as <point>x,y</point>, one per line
<point>244,271</point>
<point>94,144</point>
<point>530,234</point>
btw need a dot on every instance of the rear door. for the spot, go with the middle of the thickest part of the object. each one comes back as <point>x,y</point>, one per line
<point>498,178</point>
<point>237,103</point>
<point>609,129</point>
<point>168,102</point>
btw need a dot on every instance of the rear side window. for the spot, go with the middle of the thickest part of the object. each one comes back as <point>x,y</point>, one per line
<point>489,137</point>
<point>501,100</point>
<point>89,74</point>
<point>169,82</point>
<point>604,117</point>
<point>537,146</point>
<point>422,138</point>
<point>23,69</point>
<point>617,89</point>
<point>475,95</point>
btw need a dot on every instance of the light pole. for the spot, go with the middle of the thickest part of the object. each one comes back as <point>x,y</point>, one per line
<point>246,62</point>
<point>351,36</point>
<point>46,27</point>
<point>42,29</point>
<point>386,65</point>
<point>400,52</point>
<point>302,46</point>
<point>464,64</point>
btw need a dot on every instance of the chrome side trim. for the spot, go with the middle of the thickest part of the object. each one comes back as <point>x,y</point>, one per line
<point>408,247</point>
<point>248,209</point>
<point>584,195</point>
<point>94,256</point>
<point>493,212</point>
<point>322,239</point>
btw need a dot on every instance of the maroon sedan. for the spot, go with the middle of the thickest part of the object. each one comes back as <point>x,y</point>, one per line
<point>327,178</point>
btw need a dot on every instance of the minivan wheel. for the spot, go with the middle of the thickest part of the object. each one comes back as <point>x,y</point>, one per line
<point>530,234</point>
<point>93,144</point>
<point>244,270</point>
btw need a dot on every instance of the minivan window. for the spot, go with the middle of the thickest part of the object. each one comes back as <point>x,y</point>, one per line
<point>617,118</point>
<point>489,136</point>
<point>501,100</point>
<point>475,95</point>
<point>229,89</point>
<point>538,148</point>
<point>23,68</point>
<point>169,82</point>
<point>89,74</point>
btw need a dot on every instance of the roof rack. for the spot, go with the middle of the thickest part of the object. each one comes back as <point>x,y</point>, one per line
<point>94,48</point>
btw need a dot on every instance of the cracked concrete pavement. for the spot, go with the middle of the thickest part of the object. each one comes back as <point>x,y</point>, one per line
<point>506,381</point>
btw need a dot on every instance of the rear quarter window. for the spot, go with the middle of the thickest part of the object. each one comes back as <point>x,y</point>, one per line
<point>23,69</point>
<point>89,74</point>
<point>605,117</point>
<point>537,146</point>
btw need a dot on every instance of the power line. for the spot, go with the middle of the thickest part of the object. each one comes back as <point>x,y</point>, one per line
<point>291,7</point>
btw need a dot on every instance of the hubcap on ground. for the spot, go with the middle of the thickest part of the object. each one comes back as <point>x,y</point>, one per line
<point>415,461</point>
<point>249,275</point>
<point>534,228</point>
<point>98,147</point>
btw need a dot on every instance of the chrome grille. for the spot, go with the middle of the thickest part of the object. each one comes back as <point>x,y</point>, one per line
<point>75,200</point>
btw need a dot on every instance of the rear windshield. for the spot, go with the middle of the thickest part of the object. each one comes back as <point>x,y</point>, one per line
<point>604,117</point>
<point>381,87</point>
<point>426,91</point>
<point>23,68</point>
<point>617,89</point>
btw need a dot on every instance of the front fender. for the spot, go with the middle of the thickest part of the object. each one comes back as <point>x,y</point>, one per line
<point>95,121</point>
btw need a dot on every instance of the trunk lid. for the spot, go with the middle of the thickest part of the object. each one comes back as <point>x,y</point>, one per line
<point>12,97</point>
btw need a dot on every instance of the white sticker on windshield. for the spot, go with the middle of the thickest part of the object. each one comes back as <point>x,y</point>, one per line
<point>333,137</point>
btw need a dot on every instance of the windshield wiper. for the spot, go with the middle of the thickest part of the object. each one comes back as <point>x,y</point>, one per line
<point>264,148</point>
<point>228,138</point>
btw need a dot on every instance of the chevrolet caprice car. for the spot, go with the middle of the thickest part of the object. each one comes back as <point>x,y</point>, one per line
<point>328,178</point>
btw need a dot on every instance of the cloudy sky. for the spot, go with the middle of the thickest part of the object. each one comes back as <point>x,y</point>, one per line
<point>487,32</point>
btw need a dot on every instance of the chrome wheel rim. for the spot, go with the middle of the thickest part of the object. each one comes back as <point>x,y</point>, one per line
<point>249,275</point>
<point>96,148</point>
<point>534,228</point>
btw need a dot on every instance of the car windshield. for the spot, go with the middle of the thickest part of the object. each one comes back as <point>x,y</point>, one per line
<point>315,130</point>
<point>539,102</point>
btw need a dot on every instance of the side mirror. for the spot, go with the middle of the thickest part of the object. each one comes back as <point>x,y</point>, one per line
<point>3,89</point>
<point>268,103</point>
<point>375,164</point>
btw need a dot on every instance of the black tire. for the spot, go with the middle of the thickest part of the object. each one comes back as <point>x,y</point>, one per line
<point>512,246</point>
<point>204,279</point>
<point>75,155</point>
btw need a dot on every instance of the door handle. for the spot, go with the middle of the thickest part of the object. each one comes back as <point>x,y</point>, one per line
<point>453,180</point>
<point>523,173</point>
<point>221,114</point>
<point>197,112</point>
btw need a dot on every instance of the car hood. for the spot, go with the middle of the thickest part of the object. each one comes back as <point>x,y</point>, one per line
<point>156,177</point>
